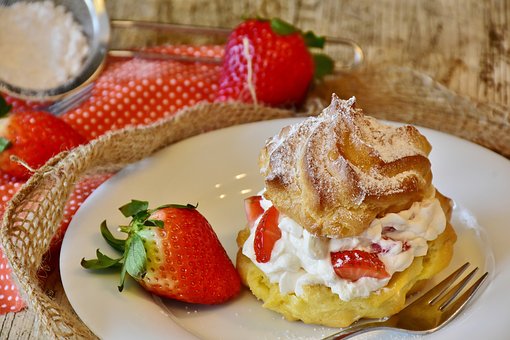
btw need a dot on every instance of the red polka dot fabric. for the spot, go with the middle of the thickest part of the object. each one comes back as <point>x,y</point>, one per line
<point>10,299</point>
<point>128,92</point>
<point>141,91</point>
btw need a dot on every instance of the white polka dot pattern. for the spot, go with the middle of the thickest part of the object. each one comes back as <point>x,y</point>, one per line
<point>141,91</point>
<point>10,299</point>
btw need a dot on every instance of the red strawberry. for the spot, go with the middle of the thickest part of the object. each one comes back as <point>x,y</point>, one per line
<point>253,209</point>
<point>34,137</point>
<point>173,252</point>
<point>268,61</point>
<point>355,264</point>
<point>266,235</point>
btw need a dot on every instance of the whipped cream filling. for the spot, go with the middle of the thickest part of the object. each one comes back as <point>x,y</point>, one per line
<point>300,258</point>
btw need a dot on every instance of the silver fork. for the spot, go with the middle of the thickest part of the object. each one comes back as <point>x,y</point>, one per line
<point>427,314</point>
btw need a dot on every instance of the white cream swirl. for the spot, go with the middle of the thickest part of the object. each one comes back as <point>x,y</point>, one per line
<point>300,258</point>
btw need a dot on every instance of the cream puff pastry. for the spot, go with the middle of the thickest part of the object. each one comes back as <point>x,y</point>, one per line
<point>348,223</point>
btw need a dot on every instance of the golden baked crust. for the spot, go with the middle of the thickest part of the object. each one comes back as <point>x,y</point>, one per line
<point>319,305</point>
<point>335,173</point>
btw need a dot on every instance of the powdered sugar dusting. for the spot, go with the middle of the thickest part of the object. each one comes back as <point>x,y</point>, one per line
<point>387,140</point>
<point>320,139</point>
<point>321,171</point>
<point>42,46</point>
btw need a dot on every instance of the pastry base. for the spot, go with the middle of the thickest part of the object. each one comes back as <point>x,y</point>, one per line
<point>319,305</point>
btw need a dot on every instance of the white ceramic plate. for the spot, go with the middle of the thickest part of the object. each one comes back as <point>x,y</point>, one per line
<point>217,170</point>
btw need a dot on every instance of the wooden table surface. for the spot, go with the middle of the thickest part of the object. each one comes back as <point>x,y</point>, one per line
<point>462,44</point>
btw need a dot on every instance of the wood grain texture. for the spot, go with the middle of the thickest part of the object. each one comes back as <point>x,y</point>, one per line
<point>462,44</point>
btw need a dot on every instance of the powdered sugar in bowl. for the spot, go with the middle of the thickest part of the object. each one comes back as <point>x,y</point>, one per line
<point>50,48</point>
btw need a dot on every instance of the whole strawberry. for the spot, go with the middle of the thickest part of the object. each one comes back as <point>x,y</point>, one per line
<point>173,252</point>
<point>268,61</point>
<point>33,137</point>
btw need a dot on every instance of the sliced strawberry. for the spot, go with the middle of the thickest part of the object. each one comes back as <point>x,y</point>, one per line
<point>355,264</point>
<point>376,248</point>
<point>253,209</point>
<point>266,235</point>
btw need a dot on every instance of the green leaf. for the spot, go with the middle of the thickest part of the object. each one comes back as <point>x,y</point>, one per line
<point>4,107</point>
<point>141,216</point>
<point>323,65</point>
<point>154,223</point>
<point>122,277</point>
<point>102,262</point>
<point>136,257</point>
<point>312,40</point>
<point>282,27</point>
<point>134,207</point>
<point>4,143</point>
<point>114,242</point>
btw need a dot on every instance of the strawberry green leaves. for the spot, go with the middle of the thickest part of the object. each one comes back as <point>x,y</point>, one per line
<point>324,65</point>
<point>312,40</point>
<point>101,262</point>
<point>282,27</point>
<point>134,207</point>
<point>134,255</point>
<point>135,258</point>
<point>115,243</point>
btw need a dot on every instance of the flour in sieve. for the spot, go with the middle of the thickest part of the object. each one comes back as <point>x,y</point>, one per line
<point>41,45</point>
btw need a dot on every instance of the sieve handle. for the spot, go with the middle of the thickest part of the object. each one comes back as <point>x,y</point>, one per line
<point>357,51</point>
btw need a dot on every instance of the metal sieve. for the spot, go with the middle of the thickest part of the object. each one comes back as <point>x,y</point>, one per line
<point>92,16</point>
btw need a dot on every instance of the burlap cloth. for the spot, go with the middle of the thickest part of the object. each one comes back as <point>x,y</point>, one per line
<point>34,213</point>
